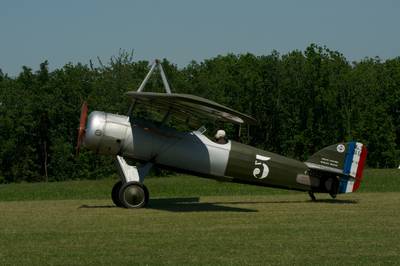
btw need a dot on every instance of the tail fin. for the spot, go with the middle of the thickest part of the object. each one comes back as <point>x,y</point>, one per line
<point>354,165</point>
<point>347,160</point>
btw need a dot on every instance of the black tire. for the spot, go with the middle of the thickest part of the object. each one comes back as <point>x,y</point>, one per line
<point>133,195</point>
<point>115,194</point>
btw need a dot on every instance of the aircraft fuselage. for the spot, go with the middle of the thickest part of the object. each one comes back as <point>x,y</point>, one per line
<point>191,152</point>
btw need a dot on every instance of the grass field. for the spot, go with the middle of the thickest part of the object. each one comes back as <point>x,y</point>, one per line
<point>198,221</point>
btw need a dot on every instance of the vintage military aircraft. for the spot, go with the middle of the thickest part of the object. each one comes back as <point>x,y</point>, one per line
<point>335,169</point>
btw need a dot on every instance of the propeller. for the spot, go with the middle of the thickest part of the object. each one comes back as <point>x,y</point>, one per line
<point>82,126</point>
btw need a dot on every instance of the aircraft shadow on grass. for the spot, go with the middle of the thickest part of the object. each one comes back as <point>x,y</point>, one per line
<point>335,201</point>
<point>327,201</point>
<point>193,204</point>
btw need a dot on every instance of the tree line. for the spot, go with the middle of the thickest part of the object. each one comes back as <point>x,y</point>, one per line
<point>303,101</point>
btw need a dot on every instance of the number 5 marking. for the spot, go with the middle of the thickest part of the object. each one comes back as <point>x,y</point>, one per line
<point>260,163</point>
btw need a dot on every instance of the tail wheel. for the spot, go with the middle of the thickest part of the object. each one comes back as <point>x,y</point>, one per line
<point>133,195</point>
<point>333,186</point>
<point>115,194</point>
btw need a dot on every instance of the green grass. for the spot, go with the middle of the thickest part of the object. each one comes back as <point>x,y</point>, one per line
<point>375,180</point>
<point>381,180</point>
<point>199,221</point>
<point>180,185</point>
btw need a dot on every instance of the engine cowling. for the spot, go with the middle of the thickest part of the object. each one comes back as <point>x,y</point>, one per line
<point>106,133</point>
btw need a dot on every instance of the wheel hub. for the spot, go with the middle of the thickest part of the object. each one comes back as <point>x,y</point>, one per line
<point>134,195</point>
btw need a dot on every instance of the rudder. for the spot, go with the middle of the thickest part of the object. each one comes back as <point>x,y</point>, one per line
<point>353,167</point>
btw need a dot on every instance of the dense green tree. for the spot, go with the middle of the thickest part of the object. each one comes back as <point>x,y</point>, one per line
<point>303,100</point>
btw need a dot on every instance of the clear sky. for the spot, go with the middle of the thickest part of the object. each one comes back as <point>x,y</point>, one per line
<point>184,30</point>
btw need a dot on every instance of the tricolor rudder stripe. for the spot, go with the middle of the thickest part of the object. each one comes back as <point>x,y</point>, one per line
<point>353,167</point>
<point>360,168</point>
<point>346,185</point>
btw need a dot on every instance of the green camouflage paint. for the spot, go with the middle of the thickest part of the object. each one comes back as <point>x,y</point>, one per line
<point>257,166</point>
<point>332,156</point>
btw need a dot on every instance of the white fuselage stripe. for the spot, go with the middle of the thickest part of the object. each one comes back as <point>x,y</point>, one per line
<point>356,159</point>
<point>218,154</point>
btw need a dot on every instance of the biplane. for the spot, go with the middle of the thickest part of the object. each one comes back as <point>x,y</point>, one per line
<point>335,169</point>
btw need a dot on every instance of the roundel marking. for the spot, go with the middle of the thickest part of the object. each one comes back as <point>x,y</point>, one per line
<point>340,148</point>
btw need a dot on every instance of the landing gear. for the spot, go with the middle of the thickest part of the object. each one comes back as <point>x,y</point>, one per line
<point>133,195</point>
<point>312,196</point>
<point>130,191</point>
<point>115,194</point>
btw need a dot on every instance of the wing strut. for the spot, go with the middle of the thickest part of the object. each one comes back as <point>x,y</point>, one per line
<point>156,64</point>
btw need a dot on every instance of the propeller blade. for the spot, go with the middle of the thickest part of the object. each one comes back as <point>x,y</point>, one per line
<point>82,126</point>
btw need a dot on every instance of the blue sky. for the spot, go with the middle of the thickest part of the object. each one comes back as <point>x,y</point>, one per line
<point>181,31</point>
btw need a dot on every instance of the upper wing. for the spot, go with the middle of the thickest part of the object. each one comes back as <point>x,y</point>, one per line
<point>191,105</point>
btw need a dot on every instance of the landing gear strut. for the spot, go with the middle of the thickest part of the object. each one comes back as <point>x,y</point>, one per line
<point>130,192</point>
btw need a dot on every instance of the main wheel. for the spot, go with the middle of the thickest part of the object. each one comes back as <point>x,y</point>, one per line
<point>115,194</point>
<point>133,195</point>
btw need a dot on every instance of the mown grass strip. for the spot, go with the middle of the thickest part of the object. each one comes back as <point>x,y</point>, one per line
<point>375,180</point>
<point>357,229</point>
